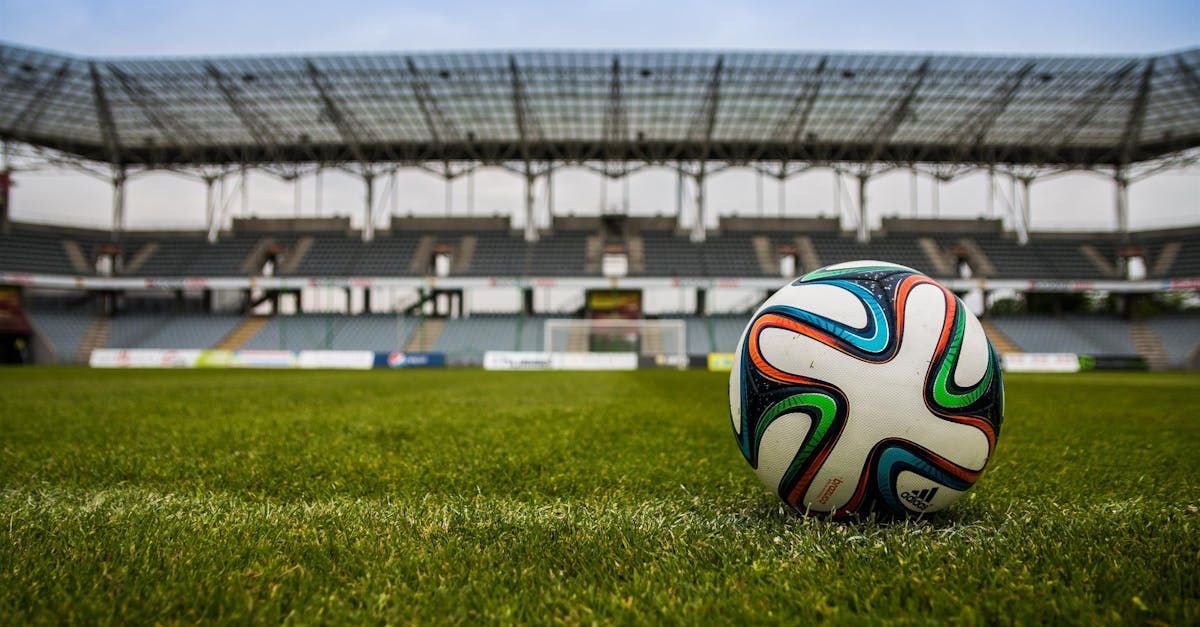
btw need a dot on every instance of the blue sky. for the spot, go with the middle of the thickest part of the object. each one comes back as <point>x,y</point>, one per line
<point>107,27</point>
<point>224,26</point>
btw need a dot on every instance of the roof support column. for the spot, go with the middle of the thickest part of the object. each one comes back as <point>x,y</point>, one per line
<point>782,194</point>
<point>679,196</point>
<point>531,229</point>
<point>864,228</point>
<point>118,183</point>
<point>245,189</point>
<point>991,194</point>
<point>318,191</point>
<point>471,193</point>
<point>936,197</point>
<point>699,229</point>
<point>296,196</point>
<point>550,195</point>
<point>1018,209</point>
<point>912,191</point>
<point>1026,206</point>
<point>211,222</point>
<point>5,185</point>
<point>1122,203</point>
<point>368,230</point>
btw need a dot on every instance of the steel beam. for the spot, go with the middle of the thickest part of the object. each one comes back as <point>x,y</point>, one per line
<point>169,126</point>
<point>885,126</point>
<point>252,120</point>
<point>347,127</point>
<point>706,120</point>
<point>28,118</point>
<point>616,122</point>
<point>1062,131</point>
<point>983,118</point>
<point>793,127</point>
<point>440,127</point>
<point>1137,116</point>
<point>108,129</point>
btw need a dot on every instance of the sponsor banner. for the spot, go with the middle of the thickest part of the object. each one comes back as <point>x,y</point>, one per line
<point>720,362</point>
<point>143,358</point>
<point>1041,362</point>
<point>215,359</point>
<point>678,362</point>
<point>263,359</point>
<point>409,360</point>
<point>533,360</point>
<point>346,360</point>
<point>516,360</point>
<point>594,361</point>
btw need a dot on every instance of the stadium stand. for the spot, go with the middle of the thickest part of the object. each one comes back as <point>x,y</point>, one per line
<point>1089,335</point>
<point>333,332</point>
<point>1180,336</point>
<point>663,253</point>
<point>25,250</point>
<point>148,330</point>
<point>62,330</point>
<point>466,339</point>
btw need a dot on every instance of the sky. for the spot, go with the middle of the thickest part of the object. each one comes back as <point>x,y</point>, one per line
<point>216,27</point>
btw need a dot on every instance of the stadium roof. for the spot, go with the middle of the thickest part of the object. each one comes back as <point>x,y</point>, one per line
<point>589,106</point>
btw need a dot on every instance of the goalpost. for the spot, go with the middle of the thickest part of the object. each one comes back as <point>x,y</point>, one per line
<point>664,342</point>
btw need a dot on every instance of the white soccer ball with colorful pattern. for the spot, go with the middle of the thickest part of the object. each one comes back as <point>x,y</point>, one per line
<point>866,387</point>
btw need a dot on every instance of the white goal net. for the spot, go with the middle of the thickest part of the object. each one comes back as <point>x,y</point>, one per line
<point>663,341</point>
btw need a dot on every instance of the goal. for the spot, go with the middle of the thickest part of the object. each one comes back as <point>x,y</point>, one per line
<point>663,342</point>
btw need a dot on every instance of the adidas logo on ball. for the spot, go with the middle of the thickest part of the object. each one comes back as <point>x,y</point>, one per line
<point>921,498</point>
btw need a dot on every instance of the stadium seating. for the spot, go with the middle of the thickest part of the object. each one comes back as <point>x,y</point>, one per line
<point>899,248</point>
<point>1089,335</point>
<point>35,252</point>
<point>334,332</point>
<point>466,339</point>
<point>665,253</point>
<point>1180,335</point>
<point>144,330</point>
<point>62,330</point>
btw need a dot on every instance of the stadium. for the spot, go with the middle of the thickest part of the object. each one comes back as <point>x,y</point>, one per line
<point>315,423</point>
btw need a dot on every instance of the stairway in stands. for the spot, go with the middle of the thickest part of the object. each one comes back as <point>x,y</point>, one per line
<point>94,336</point>
<point>1149,345</point>
<point>248,328</point>
<point>424,337</point>
<point>1001,341</point>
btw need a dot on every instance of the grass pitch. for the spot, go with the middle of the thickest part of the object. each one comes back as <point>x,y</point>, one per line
<point>180,496</point>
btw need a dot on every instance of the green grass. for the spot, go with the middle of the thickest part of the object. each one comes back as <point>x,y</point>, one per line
<point>181,496</point>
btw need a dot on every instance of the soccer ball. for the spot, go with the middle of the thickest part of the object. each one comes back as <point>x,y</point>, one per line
<point>866,387</point>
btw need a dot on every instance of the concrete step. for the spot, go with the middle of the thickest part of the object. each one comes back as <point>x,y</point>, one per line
<point>807,252</point>
<point>426,334</point>
<point>767,262</point>
<point>464,254</point>
<point>1166,258</point>
<point>242,333</point>
<point>291,260</point>
<point>75,255</point>
<point>940,261</point>
<point>1149,345</point>
<point>95,336</point>
<point>139,259</point>
<point>1002,342</point>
